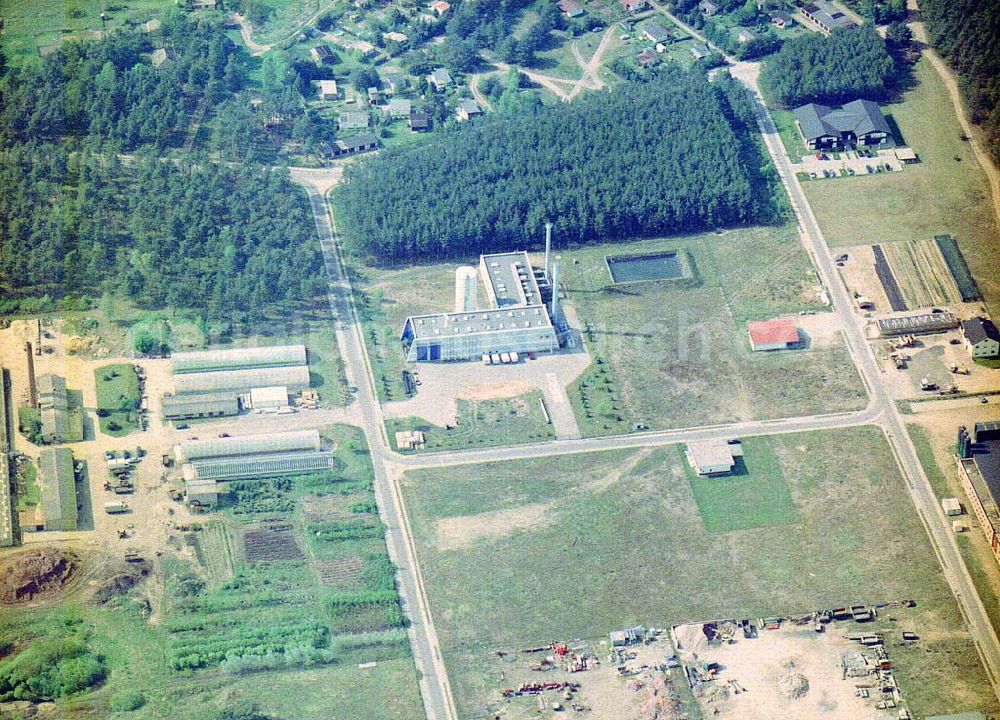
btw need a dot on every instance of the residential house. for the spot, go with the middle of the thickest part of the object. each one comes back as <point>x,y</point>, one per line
<point>713,457</point>
<point>570,8</point>
<point>743,35</point>
<point>654,32</point>
<point>399,108</point>
<point>420,122</point>
<point>322,54</point>
<point>440,79</point>
<point>859,122</point>
<point>646,58</point>
<point>780,19</point>
<point>634,6</point>
<point>700,51</point>
<point>162,57</point>
<point>708,8</point>
<point>373,95</point>
<point>344,147</point>
<point>394,36</point>
<point>327,89</point>
<point>981,337</point>
<point>467,109</point>
<point>440,7</point>
<point>393,83</point>
<point>826,15</point>
<point>353,120</point>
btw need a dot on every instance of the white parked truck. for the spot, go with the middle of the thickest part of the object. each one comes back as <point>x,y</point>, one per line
<point>114,508</point>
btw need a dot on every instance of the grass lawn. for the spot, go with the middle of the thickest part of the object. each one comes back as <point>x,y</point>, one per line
<point>755,495</point>
<point>37,26</point>
<point>284,17</point>
<point>29,494</point>
<point>518,553</point>
<point>117,398</point>
<point>675,354</point>
<point>482,423</point>
<point>945,193</point>
<point>784,120</point>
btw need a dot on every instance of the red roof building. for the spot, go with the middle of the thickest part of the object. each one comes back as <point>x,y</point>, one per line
<point>773,335</point>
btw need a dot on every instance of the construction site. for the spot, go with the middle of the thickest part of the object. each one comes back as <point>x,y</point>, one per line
<point>832,664</point>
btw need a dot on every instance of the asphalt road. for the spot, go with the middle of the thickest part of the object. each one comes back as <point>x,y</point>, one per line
<point>434,687</point>
<point>938,527</point>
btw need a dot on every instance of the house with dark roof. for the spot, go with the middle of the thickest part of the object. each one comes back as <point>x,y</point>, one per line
<point>859,122</point>
<point>344,147</point>
<point>420,122</point>
<point>781,19</point>
<point>654,32</point>
<point>981,337</point>
<point>467,109</point>
<point>700,51</point>
<point>322,54</point>
<point>646,58</point>
<point>826,15</point>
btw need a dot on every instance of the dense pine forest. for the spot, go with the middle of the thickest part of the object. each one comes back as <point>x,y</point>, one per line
<point>230,240</point>
<point>967,34</point>
<point>111,91</point>
<point>672,155</point>
<point>850,63</point>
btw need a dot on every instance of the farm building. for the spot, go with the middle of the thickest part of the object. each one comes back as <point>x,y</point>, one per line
<point>628,636</point>
<point>773,335</point>
<point>518,322</point>
<point>981,337</point>
<point>269,398</point>
<point>979,463</point>
<point>189,450</point>
<point>922,324</point>
<point>58,484</point>
<point>248,467</point>
<point>570,8</point>
<point>344,147</point>
<point>322,54</point>
<point>200,405</point>
<point>859,122</point>
<point>295,377</point>
<point>713,457</point>
<point>654,32</point>
<point>239,358</point>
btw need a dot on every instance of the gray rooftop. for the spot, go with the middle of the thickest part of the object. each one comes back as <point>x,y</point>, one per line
<point>236,358</point>
<point>657,32</point>
<point>58,484</point>
<point>827,14</point>
<point>247,445</point>
<point>511,279</point>
<point>258,466</point>
<point>978,329</point>
<point>859,117</point>
<point>898,325</point>
<point>441,77</point>
<point>200,402</point>
<point>443,325</point>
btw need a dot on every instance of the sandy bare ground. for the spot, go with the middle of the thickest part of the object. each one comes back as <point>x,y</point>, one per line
<point>495,391</point>
<point>590,79</point>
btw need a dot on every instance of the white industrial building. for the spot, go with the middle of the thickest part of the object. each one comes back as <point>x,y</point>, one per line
<point>269,398</point>
<point>519,320</point>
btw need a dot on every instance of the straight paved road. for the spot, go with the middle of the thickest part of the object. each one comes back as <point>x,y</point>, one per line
<point>938,527</point>
<point>434,687</point>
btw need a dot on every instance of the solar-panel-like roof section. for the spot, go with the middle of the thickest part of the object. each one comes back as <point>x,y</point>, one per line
<point>481,321</point>
<point>295,377</point>
<point>511,279</point>
<point>261,466</point>
<point>248,445</point>
<point>238,358</point>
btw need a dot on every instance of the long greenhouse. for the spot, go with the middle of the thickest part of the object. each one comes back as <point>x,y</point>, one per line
<point>238,359</point>
<point>294,377</point>
<point>300,440</point>
<point>247,467</point>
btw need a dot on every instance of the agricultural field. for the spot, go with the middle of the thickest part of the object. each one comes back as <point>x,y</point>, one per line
<point>517,553</point>
<point>118,397</point>
<point>921,273</point>
<point>946,192</point>
<point>482,423</point>
<point>675,354</point>
<point>34,27</point>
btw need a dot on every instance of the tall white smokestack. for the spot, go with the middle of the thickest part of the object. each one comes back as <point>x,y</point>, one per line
<point>555,290</point>
<point>548,248</point>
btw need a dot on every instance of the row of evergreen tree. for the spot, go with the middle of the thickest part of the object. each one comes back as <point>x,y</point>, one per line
<point>671,155</point>
<point>850,63</point>
<point>967,34</point>
<point>229,240</point>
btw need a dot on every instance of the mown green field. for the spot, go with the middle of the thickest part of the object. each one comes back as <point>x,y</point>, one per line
<point>579,545</point>
<point>946,192</point>
<point>117,398</point>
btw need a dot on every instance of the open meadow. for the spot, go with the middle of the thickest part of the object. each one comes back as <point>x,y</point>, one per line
<point>945,193</point>
<point>518,553</point>
<point>676,353</point>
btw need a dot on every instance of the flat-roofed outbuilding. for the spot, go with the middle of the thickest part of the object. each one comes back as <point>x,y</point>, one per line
<point>200,405</point>
<point>58,484</point>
